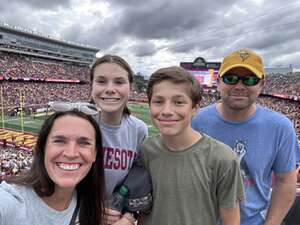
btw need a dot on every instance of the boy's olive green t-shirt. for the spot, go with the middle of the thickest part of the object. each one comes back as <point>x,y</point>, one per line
<point>190,186</point>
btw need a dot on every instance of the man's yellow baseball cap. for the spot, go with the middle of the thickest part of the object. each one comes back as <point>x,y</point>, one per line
<point>243,58</point>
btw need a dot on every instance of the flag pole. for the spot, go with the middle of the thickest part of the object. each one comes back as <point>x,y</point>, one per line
<point>21,111</point>
<point>2,108</point>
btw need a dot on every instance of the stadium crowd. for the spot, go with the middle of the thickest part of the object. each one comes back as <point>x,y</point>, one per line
<point>41,93</point>
<point>287,107</point>
<point>287,84</point>
<point>20,67</point>
<point>13,161</point>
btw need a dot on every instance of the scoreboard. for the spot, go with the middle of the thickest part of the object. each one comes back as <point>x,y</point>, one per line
<point>205,72</point>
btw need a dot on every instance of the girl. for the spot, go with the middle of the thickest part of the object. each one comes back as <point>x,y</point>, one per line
<point>111,83</point>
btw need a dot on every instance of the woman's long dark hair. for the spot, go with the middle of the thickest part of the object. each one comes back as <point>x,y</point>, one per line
<point>90,190</point>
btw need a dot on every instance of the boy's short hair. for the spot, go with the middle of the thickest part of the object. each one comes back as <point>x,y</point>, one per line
<point>176,75</point>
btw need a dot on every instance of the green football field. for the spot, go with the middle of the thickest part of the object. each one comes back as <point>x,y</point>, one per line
<point>33,124</point>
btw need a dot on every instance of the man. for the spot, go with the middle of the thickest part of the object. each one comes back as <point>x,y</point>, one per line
<point>264,141</point>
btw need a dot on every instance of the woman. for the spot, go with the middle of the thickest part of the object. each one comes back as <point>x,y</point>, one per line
<point>66,180</point>
<point>111,83</point>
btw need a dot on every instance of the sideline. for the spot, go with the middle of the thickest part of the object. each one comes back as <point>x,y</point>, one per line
<point>25,141</point>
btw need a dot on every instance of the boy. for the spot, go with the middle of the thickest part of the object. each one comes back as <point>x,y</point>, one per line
<point>196,179</point>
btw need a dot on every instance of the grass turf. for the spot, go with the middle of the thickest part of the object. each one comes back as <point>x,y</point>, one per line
<point>33,125</point>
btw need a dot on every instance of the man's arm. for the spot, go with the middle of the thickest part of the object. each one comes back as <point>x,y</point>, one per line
<point>298,172</point>
<point>230,216</point>
<point>283,196</point>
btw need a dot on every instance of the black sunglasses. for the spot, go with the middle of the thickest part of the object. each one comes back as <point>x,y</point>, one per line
<point>233,79</point>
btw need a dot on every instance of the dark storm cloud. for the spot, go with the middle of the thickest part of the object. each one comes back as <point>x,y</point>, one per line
<point>160,20</point>
<point>179,21</point>
<point>270,38</point>
<point>156,24</point>
<point>260,31</point>
<point>128,3</point>
<point>186,27</point>
<point>32,14</point>
<point>103,35</point>
<point>183,47</point>
<point>42,4</point>
<point>15,14</point>
<point>143,49</point>
<point>75,33</point>
<point>167,19</point>
<point>197,41</point>
<point>189,46</point>
<point>274,30</point>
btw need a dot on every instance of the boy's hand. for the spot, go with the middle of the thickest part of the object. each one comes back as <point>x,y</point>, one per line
<point>111,216</point>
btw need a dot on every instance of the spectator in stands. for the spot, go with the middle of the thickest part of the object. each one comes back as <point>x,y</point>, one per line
<point>264,140</point>
<point>285,84</point>
<point>287,107</point>
<point>13,159</point>
<point>20,67</point>
<point>111,80</point>
<point>68,161</point>
<point>39,94</point>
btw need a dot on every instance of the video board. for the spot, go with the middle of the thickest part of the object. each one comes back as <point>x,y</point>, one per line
<point>205,72</point>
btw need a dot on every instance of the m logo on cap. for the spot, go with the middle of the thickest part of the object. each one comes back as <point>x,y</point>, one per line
<point>243,58</point>
<point>243,55</point>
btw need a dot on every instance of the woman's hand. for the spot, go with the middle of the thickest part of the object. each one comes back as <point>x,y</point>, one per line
<point>126,219</point>
<point>111,216</point>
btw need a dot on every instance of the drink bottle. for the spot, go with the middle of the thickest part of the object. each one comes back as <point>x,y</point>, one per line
<point>117,200</point>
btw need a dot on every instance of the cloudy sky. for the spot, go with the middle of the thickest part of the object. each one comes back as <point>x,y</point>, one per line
<point>155,33</point>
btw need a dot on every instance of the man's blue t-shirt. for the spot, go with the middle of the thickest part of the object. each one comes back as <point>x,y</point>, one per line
<point>264,143</point>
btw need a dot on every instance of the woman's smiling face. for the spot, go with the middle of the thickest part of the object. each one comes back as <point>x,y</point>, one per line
<point>70,151</point>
